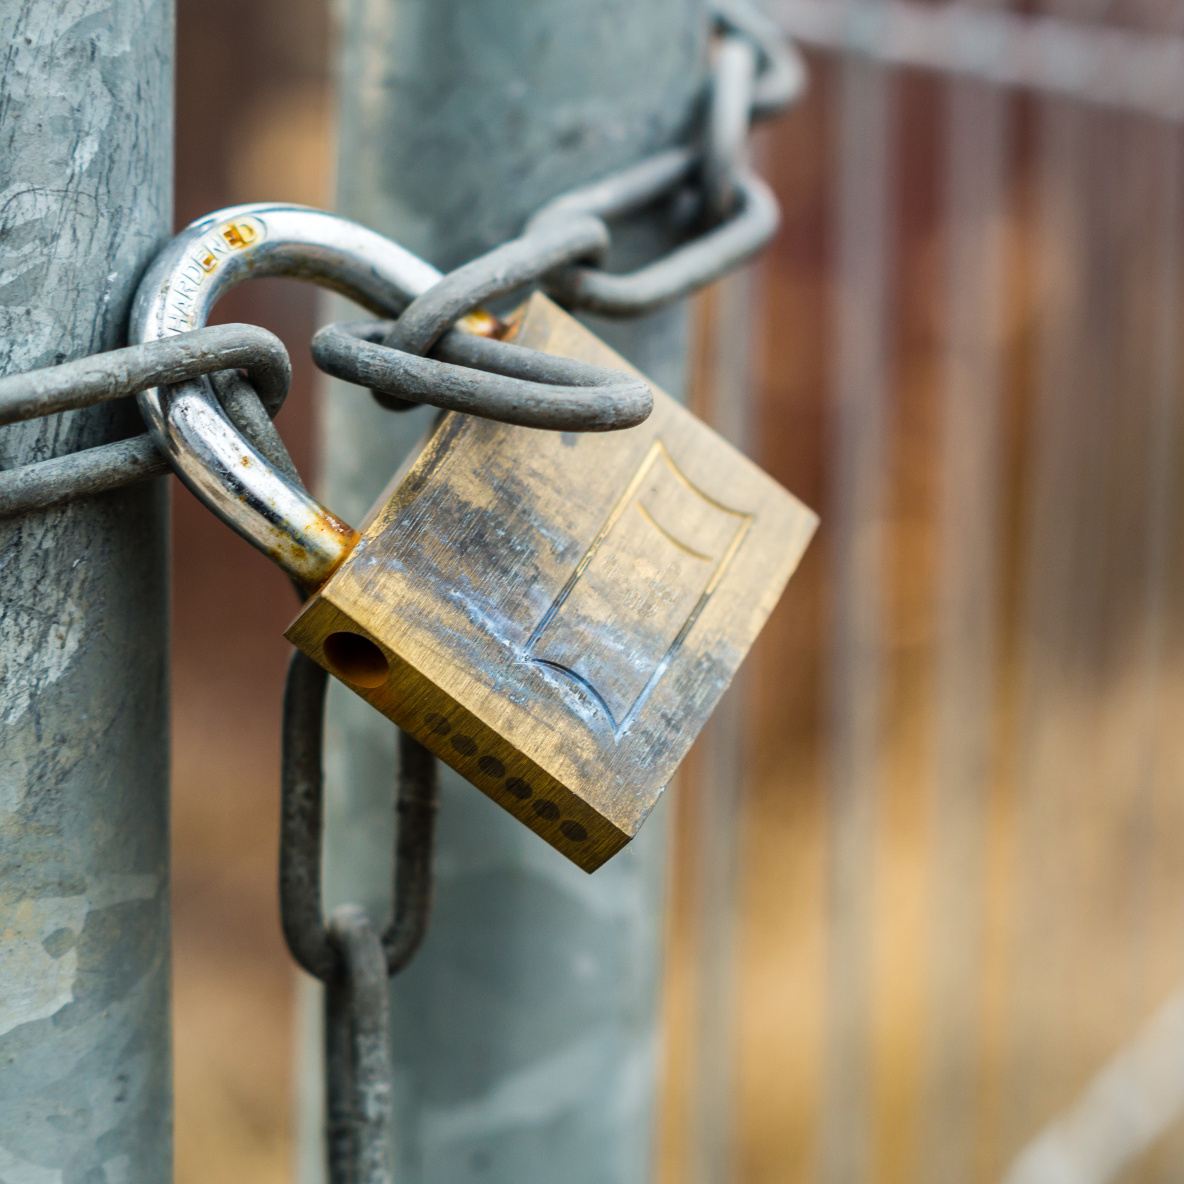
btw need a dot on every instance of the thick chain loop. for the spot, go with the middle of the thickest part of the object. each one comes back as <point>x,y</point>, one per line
<point>476,374</point>
<point>481,375</point>
<point>359,1124</point>
<point>302,825</point>
<point>726,138</point>
<point>757,73</point>
<point>118,374</point>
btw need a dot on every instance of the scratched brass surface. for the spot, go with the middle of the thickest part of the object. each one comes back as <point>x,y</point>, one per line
<point>560,613</point>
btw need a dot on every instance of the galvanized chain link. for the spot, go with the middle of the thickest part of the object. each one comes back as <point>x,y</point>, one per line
<point>358,1121</point>
<point>709,188</point>
<point>118,374</point>
<point>757,73</point>
<point>531,388</point>
<point>345,952</point>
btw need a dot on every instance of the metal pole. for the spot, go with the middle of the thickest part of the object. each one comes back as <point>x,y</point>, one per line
<point>526,1033</point>
<point>85,201</point>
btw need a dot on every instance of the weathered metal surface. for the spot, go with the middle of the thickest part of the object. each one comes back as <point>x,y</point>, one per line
<point>85,197</point>
<point>526,1031</point>
<point>684,268</point>
<point>479,376</point>
<point>358,1039</point>
<point>103,377</point>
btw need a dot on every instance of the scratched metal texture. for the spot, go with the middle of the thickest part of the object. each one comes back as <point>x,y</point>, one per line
<point>85,199</point>
<point>526,1032</point>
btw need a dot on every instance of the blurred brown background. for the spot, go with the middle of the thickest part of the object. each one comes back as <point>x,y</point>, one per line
<point>252,125</point>
<point>963,913</point>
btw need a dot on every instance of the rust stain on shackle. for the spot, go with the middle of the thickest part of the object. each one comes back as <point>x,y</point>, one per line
<point>480,323</point>
<point>269,507</point>
<point>324,523</point>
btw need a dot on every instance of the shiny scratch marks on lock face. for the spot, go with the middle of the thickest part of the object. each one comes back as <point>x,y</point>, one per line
<point>636,593</point>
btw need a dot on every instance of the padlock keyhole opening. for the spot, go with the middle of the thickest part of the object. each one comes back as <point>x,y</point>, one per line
<point>356,659</point>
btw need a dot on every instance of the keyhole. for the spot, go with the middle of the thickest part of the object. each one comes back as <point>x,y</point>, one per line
<point>356,659</point>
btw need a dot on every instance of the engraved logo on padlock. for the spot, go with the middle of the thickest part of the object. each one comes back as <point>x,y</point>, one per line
<point>619,620</point>
<point>556,615</point>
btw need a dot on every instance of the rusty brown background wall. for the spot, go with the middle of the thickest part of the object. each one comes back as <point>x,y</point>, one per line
<point>252,124</point>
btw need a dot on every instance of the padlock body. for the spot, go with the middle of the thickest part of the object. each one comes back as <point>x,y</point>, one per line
<point>556,615</point>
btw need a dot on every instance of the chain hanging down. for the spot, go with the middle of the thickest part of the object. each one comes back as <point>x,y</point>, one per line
<point>344,950</point>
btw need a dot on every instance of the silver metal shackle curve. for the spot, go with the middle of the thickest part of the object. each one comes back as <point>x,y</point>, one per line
<point>207,452</point>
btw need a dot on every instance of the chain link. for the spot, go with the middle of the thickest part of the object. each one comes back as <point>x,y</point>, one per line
<point>345,953</point>
<point>102,378</point>
<point>358,1121</point>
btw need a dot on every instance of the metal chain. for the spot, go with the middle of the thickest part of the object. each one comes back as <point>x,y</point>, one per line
<point>118,374</point>
<point>757,73</point>
<point>708,188</point>
<point>345,952</point>
<point>544,391</point>
<point>359,1124</point>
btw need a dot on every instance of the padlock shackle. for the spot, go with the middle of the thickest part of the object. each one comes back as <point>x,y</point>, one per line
<point>208,453</point>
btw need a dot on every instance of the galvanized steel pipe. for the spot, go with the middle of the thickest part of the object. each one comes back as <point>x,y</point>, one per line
<point>86,123</point>
<point>526,1030</point>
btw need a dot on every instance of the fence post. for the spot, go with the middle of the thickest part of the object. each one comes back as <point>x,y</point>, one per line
<point>526,1033</point>
<point>85,201</point>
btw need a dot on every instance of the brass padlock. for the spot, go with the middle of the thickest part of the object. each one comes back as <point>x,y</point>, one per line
<point>555,615</point>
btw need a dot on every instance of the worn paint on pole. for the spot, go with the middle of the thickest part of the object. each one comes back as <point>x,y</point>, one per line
<point>526,1032</point>
<point>85,201</point>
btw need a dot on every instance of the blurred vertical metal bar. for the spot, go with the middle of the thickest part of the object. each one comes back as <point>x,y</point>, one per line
<point>723,747</point>
<point>86,102</point>
<point>526,1032</point>
<point>1100,708</point>
<point>866,150</point>
<point>1053,770</point>
<point>968,604</point>
<point>1158,689</point>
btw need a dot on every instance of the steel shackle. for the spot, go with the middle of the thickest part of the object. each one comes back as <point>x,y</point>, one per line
<point>207,451</point>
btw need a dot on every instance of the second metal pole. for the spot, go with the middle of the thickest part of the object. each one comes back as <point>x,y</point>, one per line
<point>526,1033</point>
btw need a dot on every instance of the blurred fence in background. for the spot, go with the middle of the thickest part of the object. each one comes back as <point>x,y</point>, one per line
<point>962,893</point>
<point>928,920</point>
<point>253,122</point>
